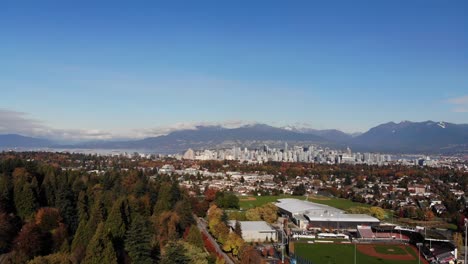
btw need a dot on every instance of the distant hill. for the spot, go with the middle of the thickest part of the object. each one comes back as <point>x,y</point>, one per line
<point>428,136</point>
<point>214,136</point>
<point>332,135</point>
<point>14,140</point>
<point>405,137</point>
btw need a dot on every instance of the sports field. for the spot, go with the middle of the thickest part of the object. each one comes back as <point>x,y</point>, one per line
<point>339,203</point>
<point>247,202</point>
<point>365,253</point>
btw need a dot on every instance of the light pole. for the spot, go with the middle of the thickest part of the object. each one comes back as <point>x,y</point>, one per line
<point>282,243</point>
<point>419,253</point>
<point>354,252</point>
<point>466,230</point>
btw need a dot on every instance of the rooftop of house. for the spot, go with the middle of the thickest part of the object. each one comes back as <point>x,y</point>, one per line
<point>252,225</point>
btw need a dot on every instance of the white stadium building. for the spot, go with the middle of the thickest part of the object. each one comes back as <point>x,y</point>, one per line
<point>309,215</point>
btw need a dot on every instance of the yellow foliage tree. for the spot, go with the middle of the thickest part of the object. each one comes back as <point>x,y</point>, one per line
<point>458,240</point>
<point>267,212</point>
<point>253,215</point>
<point>233,244</point>
<point>377,212</point>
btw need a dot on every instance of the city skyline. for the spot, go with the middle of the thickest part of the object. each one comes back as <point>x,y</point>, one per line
<point>100,70</point>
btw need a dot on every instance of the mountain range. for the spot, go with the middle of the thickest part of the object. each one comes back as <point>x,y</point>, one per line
<point>404,137</point>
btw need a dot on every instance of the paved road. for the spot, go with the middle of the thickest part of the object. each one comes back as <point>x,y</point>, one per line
<point>202,226</point>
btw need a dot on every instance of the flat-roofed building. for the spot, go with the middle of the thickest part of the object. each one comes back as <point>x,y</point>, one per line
<point>256,231</point>
<point>309,215</point>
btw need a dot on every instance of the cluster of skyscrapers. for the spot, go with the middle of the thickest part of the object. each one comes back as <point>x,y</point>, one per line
<point>289,154</point>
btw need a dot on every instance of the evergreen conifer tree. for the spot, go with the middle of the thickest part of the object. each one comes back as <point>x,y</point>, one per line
<point>100,249</point>
<point>194,237</point>
<point>137,241</point>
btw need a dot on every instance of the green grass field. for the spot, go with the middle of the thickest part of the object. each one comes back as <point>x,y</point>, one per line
<point>344,254</point>
<point>248,202</point>
<point>339,203</point>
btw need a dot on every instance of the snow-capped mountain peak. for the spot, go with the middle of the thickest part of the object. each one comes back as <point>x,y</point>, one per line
<point>441,124</point>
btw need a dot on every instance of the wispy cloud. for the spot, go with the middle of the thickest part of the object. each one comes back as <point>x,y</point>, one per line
<point>460,104</point>
<point>14,122</point>
<point>164,130</point>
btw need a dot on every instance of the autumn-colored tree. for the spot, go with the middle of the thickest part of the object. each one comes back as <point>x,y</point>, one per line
<point>47,218</point>
<point>217,225</point>
<point>145,205</point>
<point>57,258</point>
<point>253,214</point>
<point>271,251</point>
<point>166,227</point>
<point>458,239</point>
<point>184,211</point>
<point>214,212</point>
<point>20,173</point>
<point>220,260</point>
<point>194,237</point>
<point>195,254</point>
<point>233,244</point>
<point>221,232</point>
<point>237,215</point>
<point>373,211</point>
<point>129,182</point>
<point>32,241</point>
<point>250,255</point>
<point>199,206</point>
<point>210,194</point>
<point>377,212</point>
<point>267,212</point>
<point>428,215</point>
<point>8,231</point>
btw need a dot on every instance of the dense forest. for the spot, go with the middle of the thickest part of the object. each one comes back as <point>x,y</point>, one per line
<point>49,214</point>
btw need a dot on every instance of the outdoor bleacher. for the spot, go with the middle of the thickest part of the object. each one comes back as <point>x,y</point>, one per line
<point>387,235</point>
<point>365,232</point>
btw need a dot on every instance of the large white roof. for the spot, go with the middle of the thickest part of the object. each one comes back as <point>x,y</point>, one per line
<point>253,225</point>
<point>321,212</point>
<point>295,206</point>
<point>343,218</point>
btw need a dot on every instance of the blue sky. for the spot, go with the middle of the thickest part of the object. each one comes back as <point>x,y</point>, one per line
<point>135,68</point>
